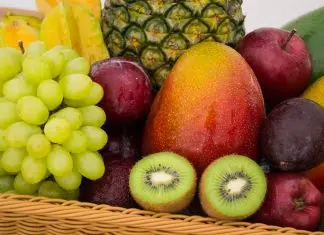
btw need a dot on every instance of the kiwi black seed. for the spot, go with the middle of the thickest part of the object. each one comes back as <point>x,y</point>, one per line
<point>163,182</point>
<point>232,187</point>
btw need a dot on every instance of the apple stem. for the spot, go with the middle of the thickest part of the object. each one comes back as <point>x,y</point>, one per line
<point>21,46</point>
<point>292,33</point>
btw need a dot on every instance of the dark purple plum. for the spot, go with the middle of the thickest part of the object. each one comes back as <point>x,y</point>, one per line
<point>128,93</point>
<point>124,141</point>
<point>292,137</point>
<point>112,188</point>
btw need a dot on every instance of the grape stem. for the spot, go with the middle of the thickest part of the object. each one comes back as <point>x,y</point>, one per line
<point>21,46</point>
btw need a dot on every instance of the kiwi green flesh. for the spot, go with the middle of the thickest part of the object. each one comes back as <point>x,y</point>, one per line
<point>163,182</point>
<point>233,187</point>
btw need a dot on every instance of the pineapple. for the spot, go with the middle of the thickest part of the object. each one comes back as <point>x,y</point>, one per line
<point>157,32</point>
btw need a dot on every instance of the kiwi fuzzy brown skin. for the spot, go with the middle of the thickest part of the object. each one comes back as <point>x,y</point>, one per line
<point>175,206</point>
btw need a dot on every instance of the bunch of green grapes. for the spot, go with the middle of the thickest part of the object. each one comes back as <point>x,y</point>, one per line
<point>50,124</point>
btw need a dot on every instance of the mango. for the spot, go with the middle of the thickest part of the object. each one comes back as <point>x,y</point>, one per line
<point>211,105</point>
<point>44,6</point>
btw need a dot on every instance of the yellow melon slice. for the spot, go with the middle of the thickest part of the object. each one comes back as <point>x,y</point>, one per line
<point>74,26</point>
<point>59,28</point>
<point>91,41</point>
<point>14,30</point>
<point>94,6</point>
<point>44,6</point>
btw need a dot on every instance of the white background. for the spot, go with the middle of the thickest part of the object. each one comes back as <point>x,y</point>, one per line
<point>273,13</point>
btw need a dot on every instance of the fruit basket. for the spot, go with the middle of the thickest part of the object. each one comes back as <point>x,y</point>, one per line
<point>39,215</point>
<point>35,215</point>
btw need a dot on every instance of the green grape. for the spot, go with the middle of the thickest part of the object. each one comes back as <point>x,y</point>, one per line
<point>12,159</point>
<point>72,115</point>
<point>89,164</point>
<point>36,69</point>
<point>76,86</point>
<point>73,103</point>
<point>69,54</point>
<point>57,130</point>
<point>1,89</point>
<point>32,110</point>
<point>33,170</point>
<point>76,143</point>
<point>10,64</point>
<point>50,189</point>
<point>22,187</point>
<point>6,183</point>
<point>18,134</point>
<point>36,48</point>
<point>72,194</point>
<point>93,116</point>
<point>15,52</point>
<point>2,171</point>
<point>78,65</point>
<point>17,88</point>
<point>59,161</point>
<point>3,141</point>
<point>69,181</point>
<point>2,99</point>
<point>38,146</point>
<point>8,114</point>
<point>97,138</point>
<point>50,92</point>
<point>57,61</point>
<point>94,96</point>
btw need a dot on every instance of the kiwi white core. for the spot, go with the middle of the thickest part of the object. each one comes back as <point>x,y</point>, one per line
<point>236,186</point>
<point>161,178</point>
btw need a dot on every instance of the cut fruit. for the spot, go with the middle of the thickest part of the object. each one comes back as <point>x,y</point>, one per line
<point>77,29</point>
<point>50,29</point>
<point>58,27</point>
<point>15,28</point>
<point>94,6</point>
<point>163,182</point>
<point>33,21</point>
<point>232,187</point>
<point>44,6</point>
<point>92,45</point>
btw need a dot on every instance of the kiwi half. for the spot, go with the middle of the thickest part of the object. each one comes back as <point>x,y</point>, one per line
<point>163,182</point>
<point>232,187</point>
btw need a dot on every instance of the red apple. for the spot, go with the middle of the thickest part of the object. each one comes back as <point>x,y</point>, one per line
<point>281,61</point>
<point>316,175</point>
<point>291,201</point>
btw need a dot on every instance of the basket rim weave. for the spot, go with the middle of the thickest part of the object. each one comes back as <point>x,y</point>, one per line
<point>103,217</point>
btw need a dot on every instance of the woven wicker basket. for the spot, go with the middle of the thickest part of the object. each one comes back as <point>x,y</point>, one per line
<point>42,216</point>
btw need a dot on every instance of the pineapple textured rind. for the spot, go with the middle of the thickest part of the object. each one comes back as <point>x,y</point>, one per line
<point>157,32</point>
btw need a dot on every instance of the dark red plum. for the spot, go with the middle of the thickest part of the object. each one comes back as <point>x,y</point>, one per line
<point>112,188</point>
<point>128,93</point>
<point>292,135</point>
